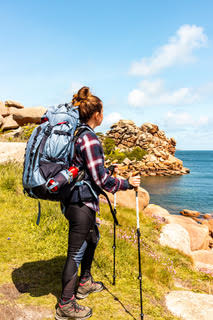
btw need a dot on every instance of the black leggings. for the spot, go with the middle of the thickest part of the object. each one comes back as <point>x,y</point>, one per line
<point>82,242</point>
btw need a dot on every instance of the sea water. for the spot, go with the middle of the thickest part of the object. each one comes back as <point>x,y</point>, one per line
<point>192,191</point>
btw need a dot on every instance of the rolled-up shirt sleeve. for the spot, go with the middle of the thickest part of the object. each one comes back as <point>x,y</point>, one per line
<point>93,155</point>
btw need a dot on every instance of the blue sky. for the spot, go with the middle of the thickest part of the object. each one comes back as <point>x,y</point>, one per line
<point>149,61</point>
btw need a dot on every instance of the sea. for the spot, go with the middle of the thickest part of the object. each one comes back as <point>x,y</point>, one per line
<point>192,191</point>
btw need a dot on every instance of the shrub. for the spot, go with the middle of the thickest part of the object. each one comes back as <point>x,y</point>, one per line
<point>116,155</point>
<point>100,135</point>
<point>109,146</point>
<point>27,131</point>
<point>136,154</point>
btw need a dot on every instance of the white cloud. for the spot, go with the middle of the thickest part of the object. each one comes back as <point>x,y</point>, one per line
<point>112,118</point>
<point>206,89</point>
<point>183,119</point>
<point>179,49</point>
<point>109,120</point>
<point>203,120</point>
<point>153,93</point>
<point>192,132</point>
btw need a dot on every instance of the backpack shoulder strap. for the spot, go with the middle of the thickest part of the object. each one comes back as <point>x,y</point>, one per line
<point>78,132</point>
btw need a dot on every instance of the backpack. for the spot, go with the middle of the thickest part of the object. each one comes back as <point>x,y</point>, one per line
<point>48,155</point>
<point>49,152</point>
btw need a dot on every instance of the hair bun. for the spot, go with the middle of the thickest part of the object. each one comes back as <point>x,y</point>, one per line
<point>83,93</point>
<point>87,103</point>
<point>82,96</point>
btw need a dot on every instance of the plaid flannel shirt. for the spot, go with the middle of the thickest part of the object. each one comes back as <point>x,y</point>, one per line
<point>89,151</point>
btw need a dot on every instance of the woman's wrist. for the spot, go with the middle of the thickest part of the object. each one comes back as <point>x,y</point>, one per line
<point>130,186</point>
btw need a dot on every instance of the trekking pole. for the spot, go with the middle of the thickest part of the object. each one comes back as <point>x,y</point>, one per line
<point>114,241</point>
<point>139,252</point>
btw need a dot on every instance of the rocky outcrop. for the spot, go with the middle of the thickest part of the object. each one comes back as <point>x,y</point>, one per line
<point>176,237</point>
<point>199,234</point>
<point>160,158</point>
<point>207,216</point>
<point>209,224</point>
<point>189,305</point>
<point>157,211</point>
<point>3,110</point>
<point>14,115</point>
<point>9,123</point>
<point>190,213</point>
<point>203,256</point>
<point>12,103</point>
<point>127,198</point>
<point>1,120</point>
<point>197,244</point>
<point>13,133</point>
<point>27,115</point>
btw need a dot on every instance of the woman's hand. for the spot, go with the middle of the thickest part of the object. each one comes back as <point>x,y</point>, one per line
<point>135,181</point>
<point>113,168</point>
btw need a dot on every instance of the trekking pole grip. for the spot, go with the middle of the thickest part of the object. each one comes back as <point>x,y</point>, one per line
<point>136,189</point>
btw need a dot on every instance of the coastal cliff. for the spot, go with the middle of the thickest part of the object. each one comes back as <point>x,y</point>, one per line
<point>159,158</point>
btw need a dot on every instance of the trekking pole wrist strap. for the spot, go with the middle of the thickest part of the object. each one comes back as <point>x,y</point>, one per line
<point>110,206</point>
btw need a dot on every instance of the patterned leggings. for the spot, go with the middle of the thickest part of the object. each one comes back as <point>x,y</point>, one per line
<point>82,242</point>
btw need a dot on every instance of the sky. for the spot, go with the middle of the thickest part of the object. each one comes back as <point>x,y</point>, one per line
<point>148,61</point>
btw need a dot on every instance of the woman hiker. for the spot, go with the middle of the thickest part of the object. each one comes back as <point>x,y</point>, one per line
<point>81,208</point>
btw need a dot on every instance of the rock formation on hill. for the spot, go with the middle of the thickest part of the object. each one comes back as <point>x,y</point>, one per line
<point>160,158</point>
<point>13,115</point>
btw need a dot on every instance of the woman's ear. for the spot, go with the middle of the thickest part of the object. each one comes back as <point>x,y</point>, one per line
<point>96,115</point>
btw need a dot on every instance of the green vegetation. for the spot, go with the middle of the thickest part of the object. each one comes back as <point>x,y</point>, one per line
<point>109,146</point>
<point>32,257</point>
<point>27,131</point>
<point>24,135</point>
<point>137,153</point>
<point>112,153</point>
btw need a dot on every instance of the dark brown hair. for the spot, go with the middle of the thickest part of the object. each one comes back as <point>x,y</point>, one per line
<point>87,103</point>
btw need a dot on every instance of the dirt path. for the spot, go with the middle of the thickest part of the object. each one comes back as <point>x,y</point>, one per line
<point>11,310</point>
<point>12,151</point>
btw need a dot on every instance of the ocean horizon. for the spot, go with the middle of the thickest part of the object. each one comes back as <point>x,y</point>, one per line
<point>192,191</point>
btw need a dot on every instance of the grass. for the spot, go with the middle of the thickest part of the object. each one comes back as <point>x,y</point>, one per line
<point>32,257</point>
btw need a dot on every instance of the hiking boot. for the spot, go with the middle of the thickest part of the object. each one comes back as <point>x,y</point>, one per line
<point>72,310</point>
<point>88,286</point>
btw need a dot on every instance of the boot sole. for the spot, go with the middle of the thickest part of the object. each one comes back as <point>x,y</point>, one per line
<point>57,317</point>
<point>80,296</point>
